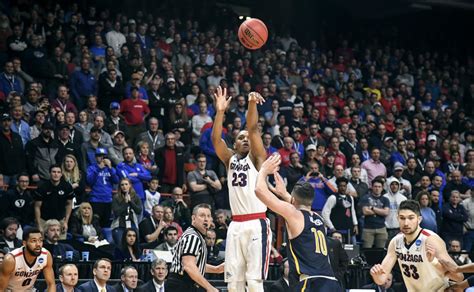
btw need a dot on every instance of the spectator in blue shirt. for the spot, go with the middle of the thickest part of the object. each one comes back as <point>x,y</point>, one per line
<point>83,84</point>
<point>135,82</point>
<point>454,217</point>
<point>322,188</point>
<point>9,81</point>
<point>101,177</point>
<point>267,140</point>
<point>18,125</point>
<point>135,172</point>
<point>401,155</point>
<point>206,146</point>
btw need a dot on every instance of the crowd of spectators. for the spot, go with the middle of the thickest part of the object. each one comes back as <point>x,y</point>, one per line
<point>104,114</point>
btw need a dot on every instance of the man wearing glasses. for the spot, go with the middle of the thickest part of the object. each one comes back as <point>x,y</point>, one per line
<point>18,202</point>
<point>203,184</point>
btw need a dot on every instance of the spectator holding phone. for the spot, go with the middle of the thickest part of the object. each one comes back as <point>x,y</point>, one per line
<point>322,187</point>
<point>294,171</point>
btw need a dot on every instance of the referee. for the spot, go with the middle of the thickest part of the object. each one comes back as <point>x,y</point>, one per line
<point>190,255</point>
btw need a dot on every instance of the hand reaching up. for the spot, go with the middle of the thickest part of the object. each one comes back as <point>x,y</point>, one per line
<point>279,185</point>
<point>271,165</point>
<point>257,97</point>
<point>222,101</point>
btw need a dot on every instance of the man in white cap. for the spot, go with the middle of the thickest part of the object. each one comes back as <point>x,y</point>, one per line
<point>405,185</point>
<point>115,151</point>
<point>432,142</point>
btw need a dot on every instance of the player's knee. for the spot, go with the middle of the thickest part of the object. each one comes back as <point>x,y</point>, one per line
<point>236,286</point>
<point>255,285</point>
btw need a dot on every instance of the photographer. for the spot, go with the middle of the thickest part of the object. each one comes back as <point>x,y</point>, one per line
<point>322,187</point>
<point>203,183</point>
<point>294,171</point>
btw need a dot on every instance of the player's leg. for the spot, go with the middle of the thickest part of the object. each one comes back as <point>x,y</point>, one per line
<point>258,254</point>
<point>234,269</point>
<point>255,285</point>
<point>236,286</point>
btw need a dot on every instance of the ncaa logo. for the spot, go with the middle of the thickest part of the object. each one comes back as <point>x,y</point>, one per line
<point>61,192</point>
<point>40,260</point>
<point>418,242</point>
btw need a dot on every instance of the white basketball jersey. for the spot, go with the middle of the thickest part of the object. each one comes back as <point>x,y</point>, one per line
<point>241,180</point>
<point>418,273</point>
<point>24,276</point>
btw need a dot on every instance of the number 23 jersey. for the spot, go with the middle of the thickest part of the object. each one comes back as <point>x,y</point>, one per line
<point>24,276</point>
<point>418,273</point>
<point>241,180</point>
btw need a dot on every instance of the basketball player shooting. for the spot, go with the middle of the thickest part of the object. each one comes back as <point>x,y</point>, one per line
<point>21,267</point>
<point>249,235</point>
<point>419,253</point>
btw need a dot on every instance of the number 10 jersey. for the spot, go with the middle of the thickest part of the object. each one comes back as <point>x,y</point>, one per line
<point>241,180</point>
<point>419,274</point>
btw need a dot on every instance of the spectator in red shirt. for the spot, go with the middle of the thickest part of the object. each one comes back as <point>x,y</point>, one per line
<point>285,152</point>
<point>334,148</point>
<point>170,161</point>
<point>134,111</point>
<point>345,116</point>
<point>388,101</point>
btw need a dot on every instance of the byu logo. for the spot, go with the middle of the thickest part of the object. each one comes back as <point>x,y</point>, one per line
<point>19,203</point>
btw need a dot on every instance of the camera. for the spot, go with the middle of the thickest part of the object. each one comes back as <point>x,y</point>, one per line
<point>315,173</point>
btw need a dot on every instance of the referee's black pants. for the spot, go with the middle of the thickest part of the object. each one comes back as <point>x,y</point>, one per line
<point>177,283</point>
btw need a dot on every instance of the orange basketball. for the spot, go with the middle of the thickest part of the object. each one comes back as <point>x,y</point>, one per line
<point>253,33</point>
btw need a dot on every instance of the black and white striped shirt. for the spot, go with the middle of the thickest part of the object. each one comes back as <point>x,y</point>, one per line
<point>191,243</point>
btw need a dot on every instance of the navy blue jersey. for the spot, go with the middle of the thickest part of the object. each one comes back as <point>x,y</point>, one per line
<point>308,252</point>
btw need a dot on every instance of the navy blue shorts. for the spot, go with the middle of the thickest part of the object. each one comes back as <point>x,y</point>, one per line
<point>318,285</point>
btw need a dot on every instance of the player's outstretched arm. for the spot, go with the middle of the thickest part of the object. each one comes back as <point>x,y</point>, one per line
<point>283,208</point>
<point>460,286</point>
<point>6,269</point>
<point>257,150</point>
<point>48,273</point>
<point>379,272</point>
<point>434,242</point>
<point>222,102</point>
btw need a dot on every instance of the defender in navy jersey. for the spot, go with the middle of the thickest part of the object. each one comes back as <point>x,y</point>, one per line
<point>310,269</point>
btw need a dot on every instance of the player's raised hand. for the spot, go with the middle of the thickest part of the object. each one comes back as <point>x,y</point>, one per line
<point>257,97</point>
<point>271,165</point>
<point>222,101</point>
<point>280,187</point>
